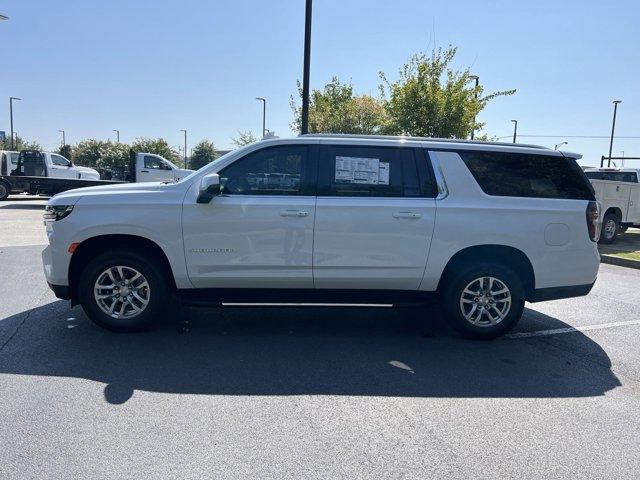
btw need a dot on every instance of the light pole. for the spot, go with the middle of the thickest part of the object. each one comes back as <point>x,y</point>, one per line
<point>613,128</point>
<point>515,130</point>
<point>304,124</point>
<point>64,140</point>
<point>264,114</point>
<point>117,135</point>
<point>11,99</point>
<point>560,144</point>
<point>185,148</point>
<point>477,79</point>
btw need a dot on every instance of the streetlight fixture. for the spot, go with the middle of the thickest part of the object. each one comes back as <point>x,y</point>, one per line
<point>64,140</point>
<point>11,99</point>
<point>117,135</point>
<point>560,144</point>
<point>304,124</point>
<point>613,128</point>
<point>264,114</point>
<point>3,17</point>
<point>185,147</point>
<point>515,130</point>
<point>477,79</point>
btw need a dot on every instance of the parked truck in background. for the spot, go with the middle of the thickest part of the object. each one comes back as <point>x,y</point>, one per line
<point>618,190</point>
<point>45,173</point>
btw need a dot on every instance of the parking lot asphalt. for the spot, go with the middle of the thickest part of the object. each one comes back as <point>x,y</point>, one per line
<point>313,392</point>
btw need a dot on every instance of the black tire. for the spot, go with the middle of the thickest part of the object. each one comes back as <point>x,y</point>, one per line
<point>610,227</point>
<point>5,190</point>
<point>483,329</point>
<point>157,293</point>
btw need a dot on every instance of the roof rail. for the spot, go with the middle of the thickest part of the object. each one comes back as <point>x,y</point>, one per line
<point>421,139</point>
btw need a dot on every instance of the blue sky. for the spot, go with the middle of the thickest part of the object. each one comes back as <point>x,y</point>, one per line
<point>151,68</point>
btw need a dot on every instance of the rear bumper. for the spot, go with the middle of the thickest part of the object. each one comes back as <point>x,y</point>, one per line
<point>555,293</point>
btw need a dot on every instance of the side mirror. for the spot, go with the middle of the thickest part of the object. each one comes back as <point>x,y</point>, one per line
<point>209,187</point>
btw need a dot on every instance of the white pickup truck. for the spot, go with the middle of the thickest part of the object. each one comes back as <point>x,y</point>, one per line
<point>45,173</point>
<point>53,165</point>
<point>150,167</point>
<point>618,190</point>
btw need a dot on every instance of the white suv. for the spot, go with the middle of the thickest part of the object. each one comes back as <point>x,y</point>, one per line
<point>339,219</point>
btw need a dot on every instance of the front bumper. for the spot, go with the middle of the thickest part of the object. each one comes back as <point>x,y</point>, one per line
<point>62,292</point>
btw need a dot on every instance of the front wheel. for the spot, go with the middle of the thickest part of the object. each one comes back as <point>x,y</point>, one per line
<point>484,301</point>
<point>122,291</point>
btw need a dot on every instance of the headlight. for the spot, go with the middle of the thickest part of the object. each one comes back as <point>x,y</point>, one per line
<point>57,212</point>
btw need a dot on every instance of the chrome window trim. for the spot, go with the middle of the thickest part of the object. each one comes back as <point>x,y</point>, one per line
<point>443,190</point>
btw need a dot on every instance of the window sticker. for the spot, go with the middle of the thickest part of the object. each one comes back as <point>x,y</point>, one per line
<point>369,171</point>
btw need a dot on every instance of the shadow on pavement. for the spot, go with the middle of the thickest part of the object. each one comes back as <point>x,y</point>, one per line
<point>303,351</point>
<point>22,206</point>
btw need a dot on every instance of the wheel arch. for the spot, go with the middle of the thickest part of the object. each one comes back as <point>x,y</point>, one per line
<point>90,247</point>
<point>615,211</point>
<point>511,257</point>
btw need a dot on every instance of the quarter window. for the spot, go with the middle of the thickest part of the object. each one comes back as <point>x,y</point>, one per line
<point>283,170</point>
<point>528,175</point>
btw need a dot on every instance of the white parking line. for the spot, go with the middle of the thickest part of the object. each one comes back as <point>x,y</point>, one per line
<point>555,331</point>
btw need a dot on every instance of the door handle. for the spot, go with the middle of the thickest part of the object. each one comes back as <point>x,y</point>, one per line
<point>294,213</point>
<point>407,215</point>
<point>144,171</point>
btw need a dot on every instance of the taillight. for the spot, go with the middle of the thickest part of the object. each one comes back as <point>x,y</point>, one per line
<point>593,221</point>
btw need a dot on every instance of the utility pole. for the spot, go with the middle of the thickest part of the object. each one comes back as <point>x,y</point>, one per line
<point>477,79</point>
<point>64,140</point>
<point>305,76</point>
<point>264,114</point>
<point>515,130</point>
<point>185,148</point>
<point>613,128</point>
<point>11,99</point>
<point>117,135</point>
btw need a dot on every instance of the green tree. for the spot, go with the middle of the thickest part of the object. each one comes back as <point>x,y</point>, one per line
<point>158,146</point>
<point>115,155</point>
<point>89,152</point>
<point>202,154</point>
<point>19,144</point>
<point>336,109</point>
<point>244,138</point>
<point>431,99</point>
<point>66,151</point>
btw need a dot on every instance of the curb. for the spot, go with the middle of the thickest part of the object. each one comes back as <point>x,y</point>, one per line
<point>619,261</point>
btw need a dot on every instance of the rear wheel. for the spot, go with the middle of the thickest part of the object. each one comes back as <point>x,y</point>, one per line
<point>484,301</point>
<point>123,291</point>
<point>5,189</point>
<point>610,227</point>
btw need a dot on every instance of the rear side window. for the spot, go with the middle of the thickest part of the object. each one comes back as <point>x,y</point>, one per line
<point>630,177</point>
<point>354,171</point>
<point>528,175</point>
